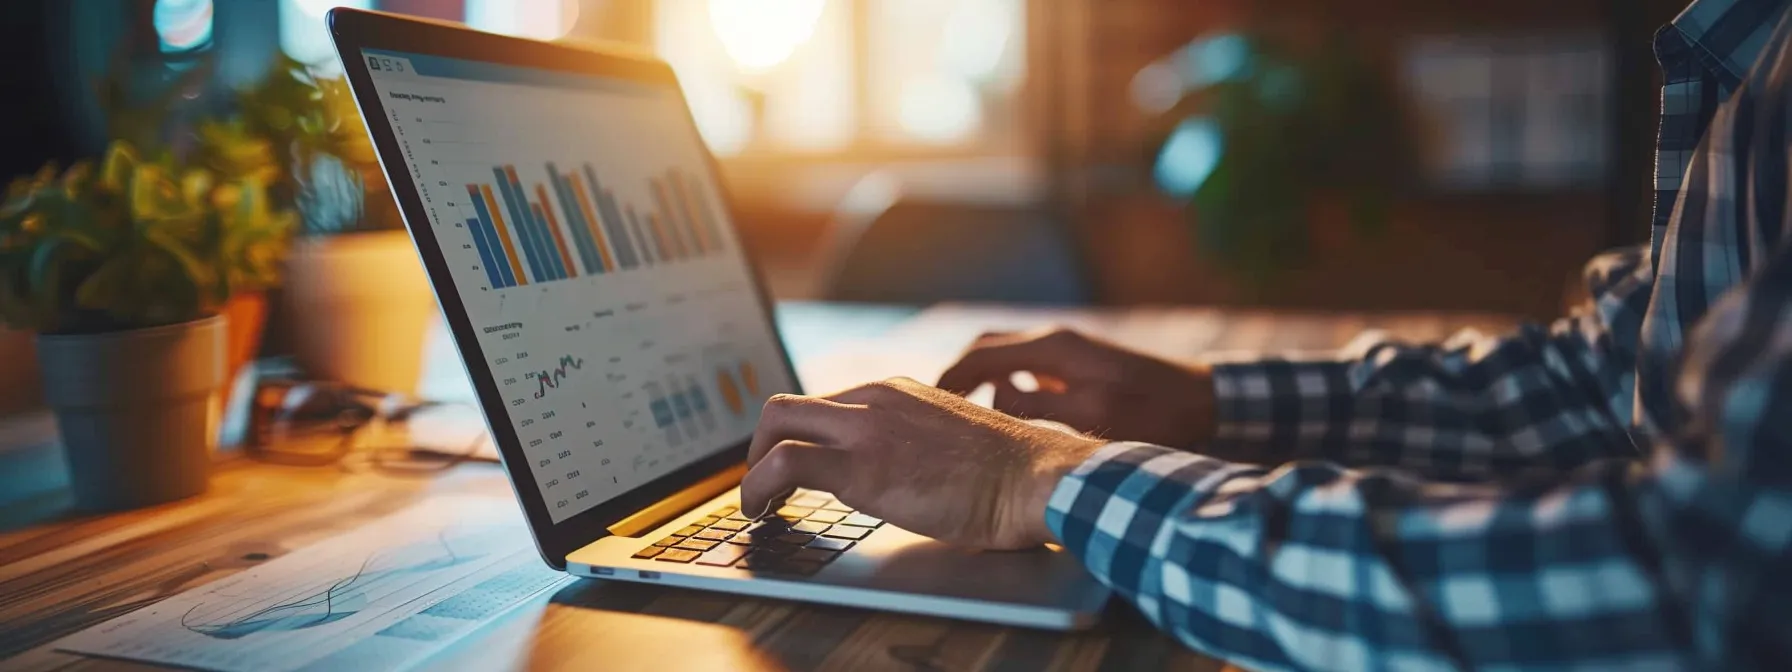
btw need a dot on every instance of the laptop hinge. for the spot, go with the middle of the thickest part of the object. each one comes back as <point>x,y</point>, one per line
<point>656,514</point>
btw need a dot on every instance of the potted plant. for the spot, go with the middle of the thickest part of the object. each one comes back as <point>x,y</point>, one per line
<point>1268,134</point>
<point>122,272</point>
<point>356,299</point>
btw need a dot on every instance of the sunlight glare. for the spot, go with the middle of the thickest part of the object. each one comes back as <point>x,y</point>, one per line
<point>761,34</point>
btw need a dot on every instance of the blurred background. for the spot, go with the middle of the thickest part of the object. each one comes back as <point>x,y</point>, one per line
<point>1375,155</point>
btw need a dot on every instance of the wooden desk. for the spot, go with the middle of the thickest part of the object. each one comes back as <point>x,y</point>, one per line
<point>63,574</point>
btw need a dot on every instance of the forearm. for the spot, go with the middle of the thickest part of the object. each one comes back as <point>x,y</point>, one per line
<point>1313,566</point>
<point>1538,399</point>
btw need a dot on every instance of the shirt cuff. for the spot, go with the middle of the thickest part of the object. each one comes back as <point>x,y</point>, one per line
<point>1112,509</point>
<point>1281,408</point>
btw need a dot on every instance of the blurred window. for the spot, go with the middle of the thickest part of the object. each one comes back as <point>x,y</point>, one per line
<point>1528,112</point>
<point>303,35</point>
<point>842,76</point>
<point>534,19</point>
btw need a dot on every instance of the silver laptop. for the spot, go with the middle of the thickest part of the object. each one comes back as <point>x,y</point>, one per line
<point>582,250</point>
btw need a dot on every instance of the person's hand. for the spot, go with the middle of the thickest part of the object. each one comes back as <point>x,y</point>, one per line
<point>923,459</point>
<point>1092,385</point>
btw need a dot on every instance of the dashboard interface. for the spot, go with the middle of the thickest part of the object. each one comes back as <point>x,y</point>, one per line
<point>590,246</point>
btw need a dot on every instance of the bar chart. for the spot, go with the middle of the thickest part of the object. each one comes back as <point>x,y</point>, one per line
<point>592,251</point>
<point>573,225</point>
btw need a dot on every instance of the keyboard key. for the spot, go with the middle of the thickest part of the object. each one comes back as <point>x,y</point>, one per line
<point>687,531</point>
<point>815,554</point>
<point>830,544</point>
<point>807,527</point>
<point>697,544</point>
<point>724,511</point>
<point>649,552</point>
<point>748,538</point>
<point>757,560</point>
<point>847,532</point>
<point>835,505</point>
<point>668,541</point>
<point>829,517</point>
<point>706,521</point>
<point>713,535</point>
<point>810,500</point>
<point>677,555</point>
<point>730,525</point>
<point>737,515</point>
<point>776,547</point>
<point>770,527</point>
<point>795,512</point>
<point>798,567</point>
<point>723,556</point>
<point>796,539</point>
<point>862,520</point>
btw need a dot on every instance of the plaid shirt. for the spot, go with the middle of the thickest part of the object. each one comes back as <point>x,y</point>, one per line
<point>1612,491</point>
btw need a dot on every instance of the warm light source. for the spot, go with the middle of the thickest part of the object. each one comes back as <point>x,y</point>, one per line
<point>760,34</point>
<point>534,19</point>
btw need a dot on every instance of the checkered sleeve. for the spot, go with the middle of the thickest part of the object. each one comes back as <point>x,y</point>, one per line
<point>1314,566</point>
<point>1678,558</point>
<point>1473,408</point>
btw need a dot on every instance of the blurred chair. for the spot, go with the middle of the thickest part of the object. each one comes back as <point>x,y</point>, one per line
<point>890,247</point>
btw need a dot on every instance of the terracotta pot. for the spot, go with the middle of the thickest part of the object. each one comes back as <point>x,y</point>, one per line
<point>360,307</point>
<point>247,314</point>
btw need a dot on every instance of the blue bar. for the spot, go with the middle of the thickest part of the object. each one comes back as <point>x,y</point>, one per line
<point>627,254</point>
<point>662,412</point>
<point>646,245</point>
<point>485,255</point>
<point>575,220</point>
<point>538,229</point>
<point>492,245</point>
<point>553,250</point>
<point>520,222</point>
<point>586,227</point>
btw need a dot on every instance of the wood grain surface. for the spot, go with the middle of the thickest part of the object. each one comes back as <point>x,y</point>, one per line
<point>70,572</point>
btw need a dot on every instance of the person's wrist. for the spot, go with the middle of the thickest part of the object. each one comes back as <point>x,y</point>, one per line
<point>1201,417</point>
<point>1056,460</point>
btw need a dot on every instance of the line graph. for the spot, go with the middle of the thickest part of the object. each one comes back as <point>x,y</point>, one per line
<point>549,379</point>
<point>341,599</point>
<point>405,586</point>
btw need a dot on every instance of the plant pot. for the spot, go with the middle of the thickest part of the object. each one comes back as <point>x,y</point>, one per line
<point>246,314</point>
<point>360,306</point>
<point>138,410</point>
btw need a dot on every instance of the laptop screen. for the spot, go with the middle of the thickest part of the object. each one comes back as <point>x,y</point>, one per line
<point>587,238</point>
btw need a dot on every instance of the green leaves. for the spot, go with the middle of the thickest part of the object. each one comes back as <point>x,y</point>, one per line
<point>1304,129</point>
<point>134,244</point>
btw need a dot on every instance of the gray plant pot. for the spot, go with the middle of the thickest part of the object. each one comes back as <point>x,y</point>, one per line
<point>138,410</point>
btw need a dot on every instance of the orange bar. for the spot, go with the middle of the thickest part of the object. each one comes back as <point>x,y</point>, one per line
<point>597,234</point>
<point>503,234</point>
<point>547,208</point>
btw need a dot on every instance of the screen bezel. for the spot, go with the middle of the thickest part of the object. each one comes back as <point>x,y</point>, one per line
<point>354,31</point>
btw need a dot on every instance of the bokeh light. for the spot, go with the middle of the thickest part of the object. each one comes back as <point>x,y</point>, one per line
<point>940,109</point>
<point>761,34</point>
<point>303,35</point>
<point>533,19</point>
<point>183,25</point>
<point>1189,157</point>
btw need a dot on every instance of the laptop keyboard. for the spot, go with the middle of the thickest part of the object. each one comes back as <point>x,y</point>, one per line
<point>807,533</point>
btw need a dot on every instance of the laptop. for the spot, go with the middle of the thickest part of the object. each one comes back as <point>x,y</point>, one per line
<point>618,338</point>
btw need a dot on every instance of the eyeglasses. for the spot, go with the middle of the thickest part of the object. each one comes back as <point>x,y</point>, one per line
<point>318,423</point>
